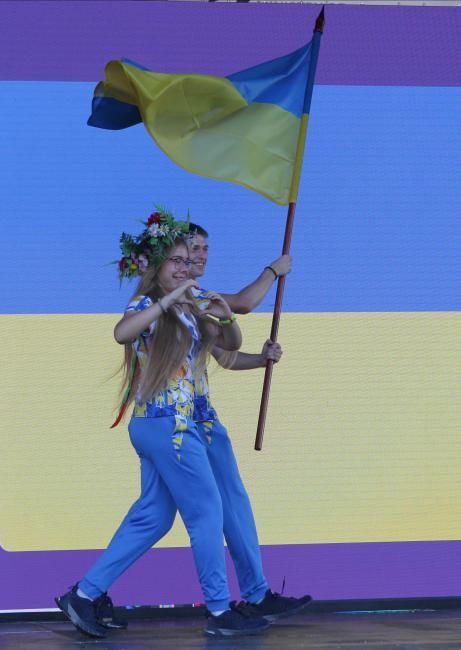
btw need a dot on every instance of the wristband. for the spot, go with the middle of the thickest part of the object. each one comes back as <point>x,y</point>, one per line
<point>273,271</point>
<point>228,321</point>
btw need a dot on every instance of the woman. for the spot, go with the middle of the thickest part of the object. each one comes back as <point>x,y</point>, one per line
<point>165,333</point>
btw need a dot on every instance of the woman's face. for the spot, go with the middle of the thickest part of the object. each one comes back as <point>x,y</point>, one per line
<point>175,269</point>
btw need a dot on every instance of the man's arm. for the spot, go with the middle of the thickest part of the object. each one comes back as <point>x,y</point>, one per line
<point>249,297</point>
<point>245,361</point>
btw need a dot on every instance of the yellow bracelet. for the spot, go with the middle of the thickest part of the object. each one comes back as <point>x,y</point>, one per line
<point>228,321</point>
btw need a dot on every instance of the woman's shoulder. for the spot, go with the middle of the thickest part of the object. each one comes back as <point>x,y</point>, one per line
<point>138,303</point>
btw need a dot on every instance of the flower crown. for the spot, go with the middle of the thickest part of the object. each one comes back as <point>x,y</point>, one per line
<point>149,248</point>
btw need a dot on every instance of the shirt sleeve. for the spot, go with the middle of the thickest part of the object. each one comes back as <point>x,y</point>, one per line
<point>200,297</point>
<point>139,303</point>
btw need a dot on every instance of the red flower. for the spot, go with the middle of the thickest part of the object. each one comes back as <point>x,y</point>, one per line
<point>122,264</point>
<point>154,218</point>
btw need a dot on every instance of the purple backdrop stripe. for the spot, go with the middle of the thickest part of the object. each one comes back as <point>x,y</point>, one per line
<point>362,45</point>
<point>164,576</point>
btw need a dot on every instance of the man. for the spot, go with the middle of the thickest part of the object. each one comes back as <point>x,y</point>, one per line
<point>239,526</point>
<point>248,298</point>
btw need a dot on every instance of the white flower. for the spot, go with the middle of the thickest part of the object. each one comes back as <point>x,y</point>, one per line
<point>154,229</point>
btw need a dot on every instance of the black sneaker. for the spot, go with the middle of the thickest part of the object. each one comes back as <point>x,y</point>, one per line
<point>274,606</point>
<point>236,621</point>
<point>81,612</point>
<point>106,615</point>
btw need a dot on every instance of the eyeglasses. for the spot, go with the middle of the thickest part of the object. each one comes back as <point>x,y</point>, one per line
<point>178,261</point>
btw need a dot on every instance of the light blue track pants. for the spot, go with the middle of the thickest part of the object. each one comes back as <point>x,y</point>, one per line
<point>191,469</point>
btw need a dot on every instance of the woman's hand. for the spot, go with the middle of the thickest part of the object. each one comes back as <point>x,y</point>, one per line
<point>177,296</point>
<point>228,335</point>
<point>217,306</point>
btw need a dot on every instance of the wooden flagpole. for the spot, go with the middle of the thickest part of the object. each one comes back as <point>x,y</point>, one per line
<point>318,30</point>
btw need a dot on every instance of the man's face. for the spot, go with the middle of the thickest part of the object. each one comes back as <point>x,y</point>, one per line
<point>198,253</point>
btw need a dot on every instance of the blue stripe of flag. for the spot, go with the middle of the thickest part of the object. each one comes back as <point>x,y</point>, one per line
<point>281,81</point>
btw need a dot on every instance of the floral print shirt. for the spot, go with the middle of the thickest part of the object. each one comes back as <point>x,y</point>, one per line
<point>178,398</point>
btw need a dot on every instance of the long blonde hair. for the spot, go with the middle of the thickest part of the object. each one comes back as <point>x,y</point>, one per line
<point>168,346</point>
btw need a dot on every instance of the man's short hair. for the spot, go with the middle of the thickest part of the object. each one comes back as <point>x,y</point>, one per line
<point>195,229</point>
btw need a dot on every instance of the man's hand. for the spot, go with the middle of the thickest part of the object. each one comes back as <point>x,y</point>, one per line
<point>282,265</point>
<point>271,351</point>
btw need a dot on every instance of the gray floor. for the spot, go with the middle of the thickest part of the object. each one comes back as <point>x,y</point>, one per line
<point>422,630</point>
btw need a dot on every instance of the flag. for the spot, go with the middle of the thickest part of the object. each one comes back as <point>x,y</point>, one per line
<point>243,128</point>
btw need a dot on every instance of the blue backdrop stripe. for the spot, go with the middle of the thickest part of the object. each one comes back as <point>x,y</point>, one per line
<point>356,247</point>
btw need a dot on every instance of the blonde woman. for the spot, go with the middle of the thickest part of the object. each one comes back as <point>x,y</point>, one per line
<point>166,341</point>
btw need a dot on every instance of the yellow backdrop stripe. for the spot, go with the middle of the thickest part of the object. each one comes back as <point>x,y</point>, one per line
<point>362,442</point>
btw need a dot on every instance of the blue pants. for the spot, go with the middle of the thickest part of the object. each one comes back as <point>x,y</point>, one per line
<point>192,469</point>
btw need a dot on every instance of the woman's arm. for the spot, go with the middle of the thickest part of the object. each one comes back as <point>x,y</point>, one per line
<point>226,330</point>
<point>132,324</point>
<point>229,337</point>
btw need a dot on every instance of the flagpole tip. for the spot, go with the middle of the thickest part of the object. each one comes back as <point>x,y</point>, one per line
<point>320,22</point>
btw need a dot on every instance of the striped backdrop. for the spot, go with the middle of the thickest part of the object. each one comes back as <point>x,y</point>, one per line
<point>356,492</point>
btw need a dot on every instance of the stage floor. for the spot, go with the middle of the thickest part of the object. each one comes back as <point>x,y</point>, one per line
<point>421,630</point>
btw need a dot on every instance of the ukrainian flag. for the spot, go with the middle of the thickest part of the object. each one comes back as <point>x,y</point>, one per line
<point>245,128</point>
